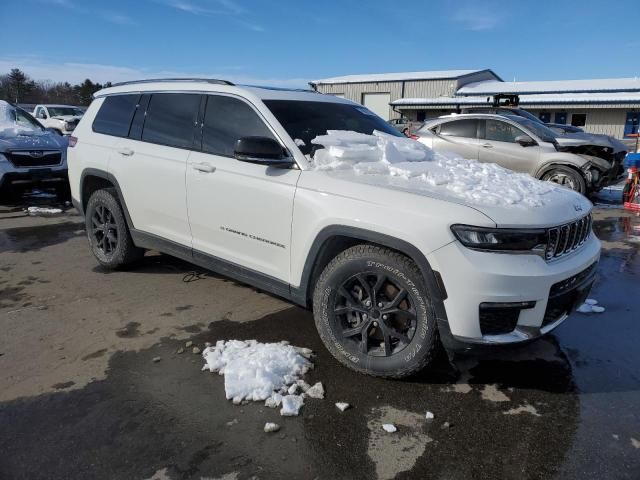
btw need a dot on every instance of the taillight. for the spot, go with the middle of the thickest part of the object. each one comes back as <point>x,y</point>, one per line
<point>73,141</point>
<point>414,137</point>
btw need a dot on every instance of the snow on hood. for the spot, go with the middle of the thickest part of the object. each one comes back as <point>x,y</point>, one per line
<point>416,167</point>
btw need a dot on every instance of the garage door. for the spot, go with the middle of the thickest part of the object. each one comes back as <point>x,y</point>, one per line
<point>377,103</point>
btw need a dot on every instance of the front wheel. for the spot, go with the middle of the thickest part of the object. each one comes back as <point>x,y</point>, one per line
<point>374,314</point>
<point>566,177</point>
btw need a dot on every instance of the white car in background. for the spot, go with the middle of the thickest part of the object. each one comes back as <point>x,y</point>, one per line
<point>62,118</point>
<point>318,200</point>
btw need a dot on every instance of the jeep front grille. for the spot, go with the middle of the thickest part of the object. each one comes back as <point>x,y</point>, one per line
<point>34,158</point>
<point>567,238</point>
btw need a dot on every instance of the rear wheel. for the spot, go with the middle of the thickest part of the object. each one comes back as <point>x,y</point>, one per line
<point>107,231</point>
<point>566,177</point>
<point>373,312</point>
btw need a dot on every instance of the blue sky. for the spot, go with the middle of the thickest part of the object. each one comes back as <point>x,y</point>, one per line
<point>289,42</point>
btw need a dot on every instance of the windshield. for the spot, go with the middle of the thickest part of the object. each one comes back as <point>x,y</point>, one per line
<point>64,111</point>
<point>543,132</point>
<point>304,120</point>
<point>15,121</point>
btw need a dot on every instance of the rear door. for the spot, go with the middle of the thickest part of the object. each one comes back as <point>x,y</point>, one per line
<point>150,164</point>
<point>239,212</point>
<point>457,136</point>
<point>498,145</point>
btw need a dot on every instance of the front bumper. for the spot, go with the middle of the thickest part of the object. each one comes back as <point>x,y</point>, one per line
<point>34,176</point>
<point>473,278</point>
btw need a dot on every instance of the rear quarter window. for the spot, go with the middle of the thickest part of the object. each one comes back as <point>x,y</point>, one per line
<point>467,128</point>
<point>115,114</point>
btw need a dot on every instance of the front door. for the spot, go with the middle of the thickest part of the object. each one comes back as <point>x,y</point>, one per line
<point>498,145</point>
<point>239,212</point>
<point>458,136</point>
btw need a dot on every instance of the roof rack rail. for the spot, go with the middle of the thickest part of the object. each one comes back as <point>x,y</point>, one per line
<point>152,80</point>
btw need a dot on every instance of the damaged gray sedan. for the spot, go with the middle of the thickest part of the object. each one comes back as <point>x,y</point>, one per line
<point>523,145</point>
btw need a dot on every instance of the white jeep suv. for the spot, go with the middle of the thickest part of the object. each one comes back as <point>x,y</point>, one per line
<point>316,199</point>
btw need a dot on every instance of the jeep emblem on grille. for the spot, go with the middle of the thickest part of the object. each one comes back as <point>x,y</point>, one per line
<point>577,208</point>
<point>35,154</point>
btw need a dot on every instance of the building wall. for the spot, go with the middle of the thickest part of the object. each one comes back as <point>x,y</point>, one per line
<point>607,121</point>
<point>414,88</point>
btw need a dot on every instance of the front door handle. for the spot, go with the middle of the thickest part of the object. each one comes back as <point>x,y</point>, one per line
<point>203,167</point>
<point>127,152</point>
<point>487,145</point>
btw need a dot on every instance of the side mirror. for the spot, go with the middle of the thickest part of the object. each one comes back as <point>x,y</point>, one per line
<point>525,140</point>
<point>261,150</point>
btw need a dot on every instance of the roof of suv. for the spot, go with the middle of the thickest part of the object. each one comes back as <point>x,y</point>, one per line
<point>219,86</point>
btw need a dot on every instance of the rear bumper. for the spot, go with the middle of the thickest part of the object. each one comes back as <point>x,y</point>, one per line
<point>527,296</point>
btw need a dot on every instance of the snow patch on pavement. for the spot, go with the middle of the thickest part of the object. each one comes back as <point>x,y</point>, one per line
<point>590,305</point>
<point>526,408</point>
<point>43,211</point>
<point>258,372</point>
<point>491,393</point>
<point>417,166</point>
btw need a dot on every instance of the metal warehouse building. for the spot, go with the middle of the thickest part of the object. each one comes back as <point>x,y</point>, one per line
<point>608,106</point>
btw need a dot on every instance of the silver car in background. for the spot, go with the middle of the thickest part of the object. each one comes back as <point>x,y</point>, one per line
<point>519,144</point>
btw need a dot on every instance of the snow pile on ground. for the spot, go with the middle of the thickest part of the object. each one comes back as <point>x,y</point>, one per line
<point>43,211</point>
<point>422,168</point>
<point>590,305</point>
<point>262,372</point>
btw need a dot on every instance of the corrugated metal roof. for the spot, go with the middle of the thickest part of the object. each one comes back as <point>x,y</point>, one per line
<point>553,86</point>
<point>544,99</point>
<point>397,77</point>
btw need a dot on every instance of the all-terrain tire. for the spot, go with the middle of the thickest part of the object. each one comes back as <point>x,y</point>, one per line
<point>123,252</point>
<point>575,181</point>
<point>400,272</point>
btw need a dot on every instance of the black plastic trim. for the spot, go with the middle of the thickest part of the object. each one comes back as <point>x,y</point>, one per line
<point>381,239</point>
<point>94,172</point>
<point>224,267</point>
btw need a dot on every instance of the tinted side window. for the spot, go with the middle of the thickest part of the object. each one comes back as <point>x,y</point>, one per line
<point>227,119</point>
<point>171,119</point>
<point>459,128</point>
<point>115,114</point>
<point>501,131</point>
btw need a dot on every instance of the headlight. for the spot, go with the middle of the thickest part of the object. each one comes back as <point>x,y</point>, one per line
<point>67,126</point>
<point>502,239</point>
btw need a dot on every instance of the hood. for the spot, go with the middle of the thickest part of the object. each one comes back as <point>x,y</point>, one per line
<point>583,138</point>
<point>33,141</point>
<point>67,118</point>
<point>559,205</point>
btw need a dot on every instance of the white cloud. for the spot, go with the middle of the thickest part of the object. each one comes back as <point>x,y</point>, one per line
<point>119,19</point>
<point>211,8</point>
<point>73,72</point>
<point>479,17</point>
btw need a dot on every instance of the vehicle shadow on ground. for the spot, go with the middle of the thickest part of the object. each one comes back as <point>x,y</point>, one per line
<point>146,416</point>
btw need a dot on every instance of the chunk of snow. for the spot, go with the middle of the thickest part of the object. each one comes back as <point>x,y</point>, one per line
<point>304,386</point>
<point>253,371</point>
<point>273,401</point>
<point>429,415</point>
<point>342,406</point>
<point>293,389</point>
<point>43,211</point>
<point>299,142</point>
<point>412,164</point>
<point>590,305</point>
<point>291,405</point>
<point>389,427</point>
<point>317,391</point>
<point>270,427</point>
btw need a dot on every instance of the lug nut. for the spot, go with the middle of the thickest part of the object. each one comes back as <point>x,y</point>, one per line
<point>364,316</point>
<point>380,304</point>
<point>384,317</point>
<point>368,303</point>
<point>375,324</point>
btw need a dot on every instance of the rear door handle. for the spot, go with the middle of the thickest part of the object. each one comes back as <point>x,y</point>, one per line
<point>487,145</point>
<point>127,152</point>
<point>203,167</point>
